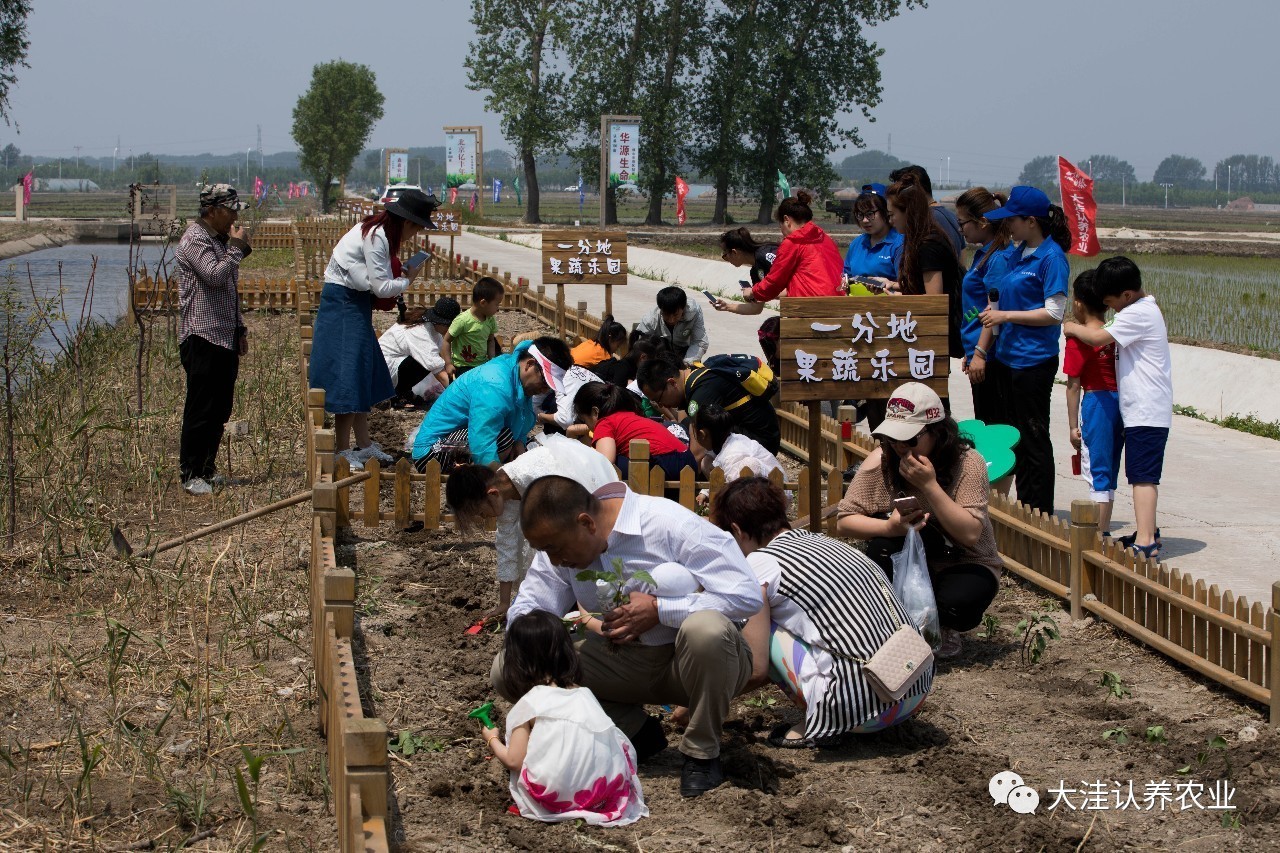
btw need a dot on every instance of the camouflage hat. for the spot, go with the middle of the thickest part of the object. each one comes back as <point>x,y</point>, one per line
<point>221,195</point>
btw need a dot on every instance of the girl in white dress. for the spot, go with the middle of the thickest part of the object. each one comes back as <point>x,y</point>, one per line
<point>568,761</point>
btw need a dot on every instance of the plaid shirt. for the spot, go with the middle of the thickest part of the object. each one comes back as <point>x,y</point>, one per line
<point>208,272</point>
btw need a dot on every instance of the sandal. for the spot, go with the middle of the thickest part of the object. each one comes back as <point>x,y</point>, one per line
<point>1130,539</point>
<point>1151,552</point>
<point>778,737</point>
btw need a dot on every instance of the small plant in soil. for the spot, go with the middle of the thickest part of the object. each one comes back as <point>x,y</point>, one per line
<point>1036,630</point>
<point>1113,684</point>
<point>616,580</point>
<point>1120,735</point>
<point>1155,734</point>
<point>990,626</point>
<point>1213,744</point>
<point>761,702</point>
<point>407,743</point>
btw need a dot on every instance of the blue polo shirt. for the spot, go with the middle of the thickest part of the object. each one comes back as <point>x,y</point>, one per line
<point>1029,281</point>
<point>881,259</point>
<point>973,292</point>
<point>484,400</point>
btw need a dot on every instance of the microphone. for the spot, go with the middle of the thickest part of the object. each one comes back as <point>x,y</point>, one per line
<point>993,304</point>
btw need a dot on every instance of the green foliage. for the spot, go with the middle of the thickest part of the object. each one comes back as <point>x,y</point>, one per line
<point>1113,684</point>
<point>869,166</point>
<point>616,580</point>
<point>761,702</point>
<point>1180,171</point>
<point>1104,168</point>
<point>1120,735</point>
<point>990,626</point>
<point>1036,630</point>
<point>1155,734</point>
<point>407,743</point>
<point>333,119</point>
<point>13,47</point>
<point>516,56</point>
<point>1041,172</point>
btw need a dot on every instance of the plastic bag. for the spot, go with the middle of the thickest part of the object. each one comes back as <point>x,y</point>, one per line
<point>914,588</point>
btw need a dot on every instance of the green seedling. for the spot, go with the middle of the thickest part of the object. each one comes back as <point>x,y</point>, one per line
<point>484,715</point>
<point>1113,684</point>
<point>1231,820</point>
<point>1119,734</point>
<point>1155,734</point>
<point>616,580</point>
<point>407,743</point>
<point>990,626</point>
<point>1215,743</point>
<point>761,702</point>
<point>1037,630</point>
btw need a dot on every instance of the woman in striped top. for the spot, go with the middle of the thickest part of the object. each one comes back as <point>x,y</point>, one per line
<point>827,609</point>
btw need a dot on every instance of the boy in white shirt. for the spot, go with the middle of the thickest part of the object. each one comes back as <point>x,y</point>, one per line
<point>1144,378</point>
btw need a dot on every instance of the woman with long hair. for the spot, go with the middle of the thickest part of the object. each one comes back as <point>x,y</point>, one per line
<point>1033,301</point>
<point>928,264</point>
<point>990,263</point>
<point>923,456</point>
<point>346,360</point>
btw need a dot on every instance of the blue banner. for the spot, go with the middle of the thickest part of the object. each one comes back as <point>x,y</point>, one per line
<point>497,190</point>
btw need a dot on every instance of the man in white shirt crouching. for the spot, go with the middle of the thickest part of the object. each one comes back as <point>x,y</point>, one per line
<point>682,649</point>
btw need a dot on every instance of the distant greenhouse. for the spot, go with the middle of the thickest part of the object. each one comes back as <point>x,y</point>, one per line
<point>66,185</point>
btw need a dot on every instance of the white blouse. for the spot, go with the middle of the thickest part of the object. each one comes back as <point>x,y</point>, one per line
<point>363,262</point>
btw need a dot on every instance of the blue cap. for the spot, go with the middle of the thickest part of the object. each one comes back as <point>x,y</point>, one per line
<point>877,189</point>
<point>1023,201</point>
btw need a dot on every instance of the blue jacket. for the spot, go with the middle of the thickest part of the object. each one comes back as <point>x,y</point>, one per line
<point>882,259</point>
<point>484,400</point>
<point>1025,286</point>
<point>973,291</point>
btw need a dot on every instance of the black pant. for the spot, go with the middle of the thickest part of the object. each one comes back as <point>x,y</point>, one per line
<point>963,591</point>
<point>409,374</point>
<point>1023,402</point>
<point>986,399</point>
<point>211,384</point>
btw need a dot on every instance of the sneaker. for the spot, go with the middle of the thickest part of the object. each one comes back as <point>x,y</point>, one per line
<point>218,481</point>
<point>1130,539</point>
<point>952,643</point>
<point>374,451</point>
<point>197,486</point>
<point>354,460</point>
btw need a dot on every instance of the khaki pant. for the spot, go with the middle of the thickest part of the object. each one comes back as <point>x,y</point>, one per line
<point>704,669</point>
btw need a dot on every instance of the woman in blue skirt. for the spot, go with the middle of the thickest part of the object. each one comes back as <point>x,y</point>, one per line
<point>346,360</point>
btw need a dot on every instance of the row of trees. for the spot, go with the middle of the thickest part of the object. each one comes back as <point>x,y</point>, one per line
<point>1240,173</point>
<point>736,90</point>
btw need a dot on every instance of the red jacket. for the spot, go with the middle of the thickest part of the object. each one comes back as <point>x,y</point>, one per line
<point>808,264</point>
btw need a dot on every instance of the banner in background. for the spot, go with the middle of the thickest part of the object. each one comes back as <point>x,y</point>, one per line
<point>397,166</point>
<point>475,198</point>
<point>453,195</point>
<point>497,190</point>
<point>784,185</point>
<point>27,180</point>
<point>624,155</point>
<point>582,193</point>
<point>460,158</point>
<point>516,186</point>
<point>257,186</point>
<point>682,190</point>
<point>1080,208</point>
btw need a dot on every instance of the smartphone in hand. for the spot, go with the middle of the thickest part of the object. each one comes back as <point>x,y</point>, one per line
<point>417,260</point>
<point>715,300</point>
<point>906,507</point>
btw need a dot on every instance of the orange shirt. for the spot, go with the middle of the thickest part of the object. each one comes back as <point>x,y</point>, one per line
<point>588,354</point>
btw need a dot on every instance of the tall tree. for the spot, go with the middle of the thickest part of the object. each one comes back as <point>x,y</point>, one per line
<point>869,167</point>
<point>13,47</point>
<point>1106,169</point>
<point>1247,173</point>
<point>1040,172</point>
<point>810,63</point>
<point>515,58</point>
<point>333,120</point>
<point>1184,172</point>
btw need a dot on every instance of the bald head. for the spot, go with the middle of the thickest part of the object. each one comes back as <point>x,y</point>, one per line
<point>555,502</point>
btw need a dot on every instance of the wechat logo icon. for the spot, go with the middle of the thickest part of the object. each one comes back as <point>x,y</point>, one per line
<point>1007,788</point>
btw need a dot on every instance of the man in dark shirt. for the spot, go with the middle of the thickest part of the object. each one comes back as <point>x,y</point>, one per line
<point>212,335</point>
<point>667,383</point>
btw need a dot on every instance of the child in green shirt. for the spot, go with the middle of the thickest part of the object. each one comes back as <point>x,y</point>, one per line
<point>471,337</point>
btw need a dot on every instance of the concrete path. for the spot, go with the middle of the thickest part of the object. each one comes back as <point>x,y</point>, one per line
<point>1218,498</point>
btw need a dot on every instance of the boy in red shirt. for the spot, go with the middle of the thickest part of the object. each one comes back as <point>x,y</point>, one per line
<point>1097,432</point>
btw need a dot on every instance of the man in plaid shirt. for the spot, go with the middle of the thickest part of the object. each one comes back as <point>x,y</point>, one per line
<point>212,334</point>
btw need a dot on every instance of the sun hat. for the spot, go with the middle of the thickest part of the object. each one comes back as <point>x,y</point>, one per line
<point>446,310</point>
<point>415,206</point>
<point>1023,201</point>
<point>910,409</point>
<point>221,195</point>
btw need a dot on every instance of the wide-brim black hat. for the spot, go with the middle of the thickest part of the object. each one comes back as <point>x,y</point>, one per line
<point>445,311</point>
<point>415,206</point>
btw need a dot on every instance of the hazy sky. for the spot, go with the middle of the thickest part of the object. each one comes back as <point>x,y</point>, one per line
<point>989,84</point>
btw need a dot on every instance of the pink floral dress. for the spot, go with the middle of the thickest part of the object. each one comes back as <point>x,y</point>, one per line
<point>579,764</point>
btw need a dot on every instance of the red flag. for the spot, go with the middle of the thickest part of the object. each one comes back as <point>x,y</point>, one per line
<point>1080,208</point>
<point>453,195</point>
<point>27,180</point>
<point>682,190</point>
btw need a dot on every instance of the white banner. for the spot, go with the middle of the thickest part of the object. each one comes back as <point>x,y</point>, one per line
<point>460,159</point>
<point>624,155</point>
<point>397,167</point>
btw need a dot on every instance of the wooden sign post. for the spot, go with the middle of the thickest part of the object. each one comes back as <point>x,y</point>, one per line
<point>857,348</point>
<point>580,256</point>
<point>447,221</point>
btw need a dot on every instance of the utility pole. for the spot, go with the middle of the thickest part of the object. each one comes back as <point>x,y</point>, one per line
<point>1166,195</point>
<point>260,159</point>
<point>115,154</point>
<point>77,147</point>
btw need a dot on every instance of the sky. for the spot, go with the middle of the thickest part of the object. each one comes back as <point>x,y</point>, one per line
<point>987,84</point>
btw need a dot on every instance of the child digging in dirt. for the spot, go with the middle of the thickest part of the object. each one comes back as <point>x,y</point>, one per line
<point>568,761</point>
<point>475,493</point>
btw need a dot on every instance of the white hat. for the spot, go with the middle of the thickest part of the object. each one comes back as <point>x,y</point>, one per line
<point>910,409</point>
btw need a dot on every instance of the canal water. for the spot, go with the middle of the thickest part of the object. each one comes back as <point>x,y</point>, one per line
<point>71,269</point>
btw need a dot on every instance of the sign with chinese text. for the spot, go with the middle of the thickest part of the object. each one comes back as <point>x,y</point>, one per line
<point>446,220</point>
<point>624,154</point>
<point>584,257</point>
<point>861,348</point>
<point>397,166</point>
<point>1080,208</point>
<point>460,151</point>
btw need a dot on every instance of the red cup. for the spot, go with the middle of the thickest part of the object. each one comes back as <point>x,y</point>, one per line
<point>1075,463</point>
